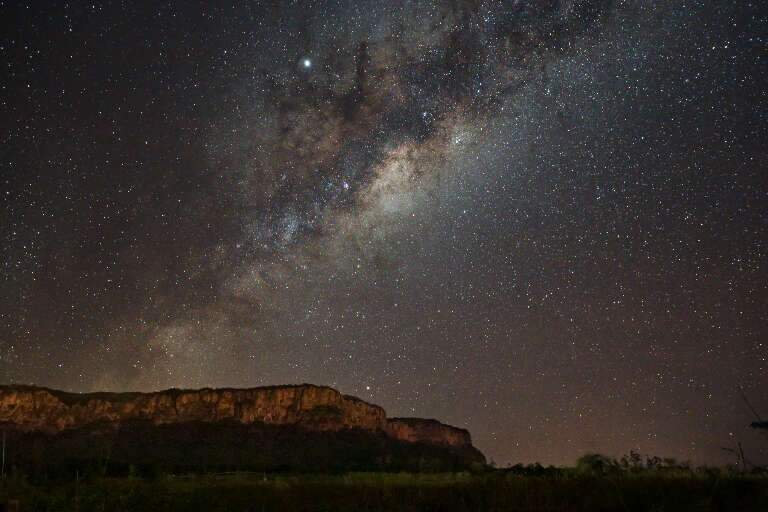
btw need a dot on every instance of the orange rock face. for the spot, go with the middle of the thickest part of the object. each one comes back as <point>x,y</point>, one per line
<point>312,407</point>
<point>427,431</point>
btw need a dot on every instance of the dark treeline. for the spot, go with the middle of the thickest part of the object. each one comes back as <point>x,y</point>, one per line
<point>146,450</point>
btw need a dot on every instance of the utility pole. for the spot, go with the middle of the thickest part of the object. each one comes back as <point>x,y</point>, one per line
<point>2,467</point>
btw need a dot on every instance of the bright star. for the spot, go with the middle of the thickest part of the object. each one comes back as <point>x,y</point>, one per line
<point>306,63</point>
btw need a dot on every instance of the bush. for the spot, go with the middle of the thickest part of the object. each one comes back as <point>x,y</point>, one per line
<point>597,464</point>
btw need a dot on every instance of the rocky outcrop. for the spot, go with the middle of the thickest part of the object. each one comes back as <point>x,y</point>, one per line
<point>313,408</point>
<point>415,430</point>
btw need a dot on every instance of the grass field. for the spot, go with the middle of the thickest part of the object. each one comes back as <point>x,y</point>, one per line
<point>488,491</point>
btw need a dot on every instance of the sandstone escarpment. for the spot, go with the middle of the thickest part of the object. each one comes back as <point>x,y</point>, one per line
<point>314,408</point>
<point>427,431</point>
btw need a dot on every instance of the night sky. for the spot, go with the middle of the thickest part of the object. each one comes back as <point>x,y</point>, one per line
<point>544,221</point>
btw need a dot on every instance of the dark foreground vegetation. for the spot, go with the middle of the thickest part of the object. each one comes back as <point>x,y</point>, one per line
<point>529,488</point>
<point>142,449</point>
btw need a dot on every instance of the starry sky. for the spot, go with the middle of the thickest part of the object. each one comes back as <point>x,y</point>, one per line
<point>544,221</point>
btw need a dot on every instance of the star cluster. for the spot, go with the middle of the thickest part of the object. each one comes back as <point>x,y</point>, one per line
<point>544,221</point>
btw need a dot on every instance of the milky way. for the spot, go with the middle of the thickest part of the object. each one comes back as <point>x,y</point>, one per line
<point>544,221</point>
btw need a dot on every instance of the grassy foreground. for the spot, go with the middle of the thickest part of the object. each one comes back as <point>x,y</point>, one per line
<point>491,491</point>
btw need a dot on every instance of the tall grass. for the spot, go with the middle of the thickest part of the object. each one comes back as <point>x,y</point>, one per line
<point>488,491</point>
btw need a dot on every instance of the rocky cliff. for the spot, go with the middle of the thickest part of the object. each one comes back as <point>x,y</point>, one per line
<point>309,407</point>
<point>418,430</point>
